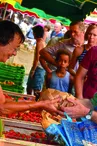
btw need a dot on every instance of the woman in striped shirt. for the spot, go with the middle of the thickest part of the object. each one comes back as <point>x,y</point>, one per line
<point>80,51</point>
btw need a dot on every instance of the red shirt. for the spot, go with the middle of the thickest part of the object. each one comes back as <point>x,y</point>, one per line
<point>89,62</point>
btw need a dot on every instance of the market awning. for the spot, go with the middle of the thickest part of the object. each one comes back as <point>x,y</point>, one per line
<point>64,11</point>
<point>72,9</point>
<point>13,5</point>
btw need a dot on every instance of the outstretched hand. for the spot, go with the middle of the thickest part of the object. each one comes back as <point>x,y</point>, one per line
<point>49,106</point>
<point>76,111</point>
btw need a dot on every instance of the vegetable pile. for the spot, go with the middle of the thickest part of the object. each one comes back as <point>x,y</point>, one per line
<point>11,77</point>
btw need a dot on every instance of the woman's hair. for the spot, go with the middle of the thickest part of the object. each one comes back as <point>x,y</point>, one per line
<point>38,31</point>
<point>7,31</point>
<point>63,52</point>
<point>48,27</point>
<point>90,27</point>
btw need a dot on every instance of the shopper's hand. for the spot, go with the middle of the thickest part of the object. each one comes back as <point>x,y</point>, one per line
<point>49,106</point>
<point>76,111</point>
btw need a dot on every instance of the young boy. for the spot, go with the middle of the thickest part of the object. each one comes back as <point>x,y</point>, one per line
<point>61,78</point>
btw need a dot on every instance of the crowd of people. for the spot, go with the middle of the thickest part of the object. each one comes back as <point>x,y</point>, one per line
<point>68,64</point>
<point>82,46</point>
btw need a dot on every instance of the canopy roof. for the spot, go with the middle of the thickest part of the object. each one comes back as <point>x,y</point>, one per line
<point>72,9</point>
<point>15,6</point>
<point>64,11</point>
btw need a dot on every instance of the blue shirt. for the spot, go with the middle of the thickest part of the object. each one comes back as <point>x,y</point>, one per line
<point>60,34</point>
<point>58,83</point>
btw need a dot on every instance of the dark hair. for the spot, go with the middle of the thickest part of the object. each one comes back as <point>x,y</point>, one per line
<point>67,34</point>
<point>7,31</point>
<point>80,24</point>
<point>38,31</point>
<point>63,52</point>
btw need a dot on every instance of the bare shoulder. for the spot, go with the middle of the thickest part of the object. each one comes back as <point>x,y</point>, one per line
<point>41,44</point>
<point>78,50</point>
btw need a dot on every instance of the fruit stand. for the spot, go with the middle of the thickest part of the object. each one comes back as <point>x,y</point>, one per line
<point>23,128</point>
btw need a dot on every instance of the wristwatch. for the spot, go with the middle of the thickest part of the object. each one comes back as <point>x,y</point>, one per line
<point>89,115</point>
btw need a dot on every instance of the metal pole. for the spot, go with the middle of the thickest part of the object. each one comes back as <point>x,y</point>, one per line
<point>6,5</point>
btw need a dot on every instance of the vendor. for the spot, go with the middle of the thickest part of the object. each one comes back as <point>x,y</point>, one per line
<point>11,37</point>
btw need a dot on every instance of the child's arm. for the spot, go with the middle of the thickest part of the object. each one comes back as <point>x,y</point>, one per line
<point>71,83</point>
<point>48,79</point>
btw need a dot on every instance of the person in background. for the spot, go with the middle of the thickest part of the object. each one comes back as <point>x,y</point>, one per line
<point>36,76</point>
<point>61,79</point>
<point>87,88</point>
<point>47,55</point>
<point>64,29</point>
<point>79,52</point>
<point>57,30</point>
<point>46,36</point>
<point>11,37</point>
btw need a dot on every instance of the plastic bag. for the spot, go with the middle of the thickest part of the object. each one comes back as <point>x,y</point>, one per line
<point>73,133</point>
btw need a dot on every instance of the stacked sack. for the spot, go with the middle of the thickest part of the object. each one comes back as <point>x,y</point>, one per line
<point>47,118</point>
<point>11,77</point>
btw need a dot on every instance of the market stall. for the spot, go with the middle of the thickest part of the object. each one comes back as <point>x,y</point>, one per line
<point>23,128</point>
<point>12,76</point>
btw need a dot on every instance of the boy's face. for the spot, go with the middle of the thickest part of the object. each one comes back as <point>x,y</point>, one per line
<point>63,61</point>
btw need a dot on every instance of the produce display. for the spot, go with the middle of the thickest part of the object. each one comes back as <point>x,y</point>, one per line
<point>27,133</point>
<point>37,137</point>
<point>11,77</point>
<point>26,116</point>
<point>34,137</point>
<point>17,98</point>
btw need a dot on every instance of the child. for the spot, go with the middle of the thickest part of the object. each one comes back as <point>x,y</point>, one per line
<point>60,79</point>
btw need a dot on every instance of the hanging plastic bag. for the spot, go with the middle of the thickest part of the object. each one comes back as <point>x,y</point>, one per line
<point>73,133</point>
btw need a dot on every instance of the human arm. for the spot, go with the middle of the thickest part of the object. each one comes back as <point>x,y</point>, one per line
<point>76,53</point>
<point>48,52</point>
<point>39,46</point>
<point>48,78</point>
<point>71,83</point>
<point>2,97</point>
<point>47,57</point>
<point>79,109</point>
<point>79,81</point>
<point>44,65</point>
<point>12,107</point>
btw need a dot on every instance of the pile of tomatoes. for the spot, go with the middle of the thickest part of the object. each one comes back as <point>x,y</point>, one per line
<point>39,137</point>
<point>26,116</point>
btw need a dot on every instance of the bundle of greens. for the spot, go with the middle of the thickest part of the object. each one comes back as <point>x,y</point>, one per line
<point>11,77</point>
